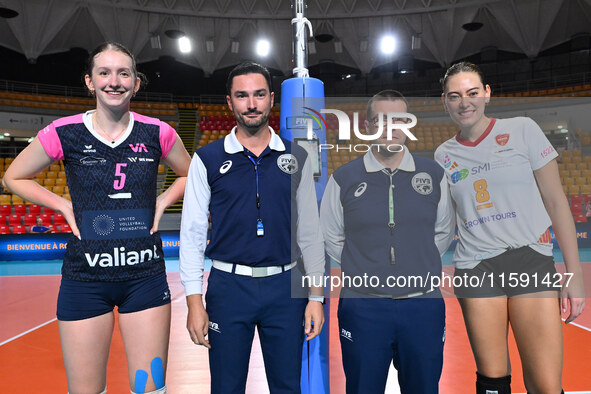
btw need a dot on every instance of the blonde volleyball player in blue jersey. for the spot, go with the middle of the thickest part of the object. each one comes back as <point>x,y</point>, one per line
<point>504,181</point>
<point>114,257</point>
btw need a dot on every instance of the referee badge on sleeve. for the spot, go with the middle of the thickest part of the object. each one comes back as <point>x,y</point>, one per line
<point>422,183</point>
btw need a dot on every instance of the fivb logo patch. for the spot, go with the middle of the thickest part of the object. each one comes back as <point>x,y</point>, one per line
<point>138,148</point>
<point>346,334</point>
<point>214,327</point>
<point>345,124</point>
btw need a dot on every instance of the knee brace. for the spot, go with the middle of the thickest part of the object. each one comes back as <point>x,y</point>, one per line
<point>486,385</point>
<point>159,391</point>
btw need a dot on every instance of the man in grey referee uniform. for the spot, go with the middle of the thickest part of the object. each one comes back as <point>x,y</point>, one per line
<point>388,214</point>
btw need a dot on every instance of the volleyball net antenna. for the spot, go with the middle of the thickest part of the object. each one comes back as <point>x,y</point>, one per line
<point>302,99</point>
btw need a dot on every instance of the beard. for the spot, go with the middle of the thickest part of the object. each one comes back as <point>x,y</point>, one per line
<point>252,125</point>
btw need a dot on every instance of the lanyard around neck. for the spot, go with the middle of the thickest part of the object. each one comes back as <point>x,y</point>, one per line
<point>260,228</point>
<point>256,174</point>
<point>391,222</point>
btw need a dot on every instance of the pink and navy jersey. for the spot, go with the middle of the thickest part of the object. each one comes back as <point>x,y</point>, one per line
<point>113,190</point>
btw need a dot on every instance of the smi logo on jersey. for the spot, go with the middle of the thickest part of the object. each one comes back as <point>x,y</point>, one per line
<point>456,174</point>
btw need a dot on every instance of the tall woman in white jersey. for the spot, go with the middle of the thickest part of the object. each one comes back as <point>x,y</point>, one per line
<point>505,184</point>
<point>114,257</point>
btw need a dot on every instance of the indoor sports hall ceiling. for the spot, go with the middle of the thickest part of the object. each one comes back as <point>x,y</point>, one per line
<point>522,26</point>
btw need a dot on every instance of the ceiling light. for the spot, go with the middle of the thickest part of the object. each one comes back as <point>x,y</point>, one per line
<point>184,45</point>
<point>388,45</point>
<point>263,47</point>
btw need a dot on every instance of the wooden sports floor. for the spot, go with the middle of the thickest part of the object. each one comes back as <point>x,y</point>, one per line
<point>31,361</point>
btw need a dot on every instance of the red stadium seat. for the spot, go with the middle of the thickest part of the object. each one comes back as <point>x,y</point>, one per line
<point>29,219</point>
<point>4,229</point>
<point>65,228</point>
<point>14,219</point>
<point>5,210</point>
<point>576,198</point>
<point>48,211</point>
<point>46,218</point>
<point>19,229</point>
<point>576,208</point>
<point>3,220</point>
<point>20,209</point>
<point>34,209</point>
<point>580,218</point>
<point>58,219</point>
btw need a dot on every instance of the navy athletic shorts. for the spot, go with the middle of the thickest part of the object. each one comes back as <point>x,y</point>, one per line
<point>78,300</point>
<point>514,272</point>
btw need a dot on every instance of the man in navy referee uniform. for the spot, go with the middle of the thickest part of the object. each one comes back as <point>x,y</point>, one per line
<point>387,215</point>
<point>259,190</point>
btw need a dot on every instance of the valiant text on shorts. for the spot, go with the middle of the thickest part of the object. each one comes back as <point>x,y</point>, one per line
<point>119,257</point>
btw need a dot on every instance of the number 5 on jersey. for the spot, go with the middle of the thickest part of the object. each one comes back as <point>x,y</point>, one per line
<point>482,195</point>
<point>119,176</point>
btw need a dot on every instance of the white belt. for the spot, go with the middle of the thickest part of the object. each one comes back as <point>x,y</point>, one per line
<point>409,295</point>
<point>255,272</point>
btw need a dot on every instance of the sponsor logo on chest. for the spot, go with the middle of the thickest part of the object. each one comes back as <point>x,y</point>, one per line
<point>360,189</point>
<point>138,148</point>
<point>502,139</point>
<point>225,166</point>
